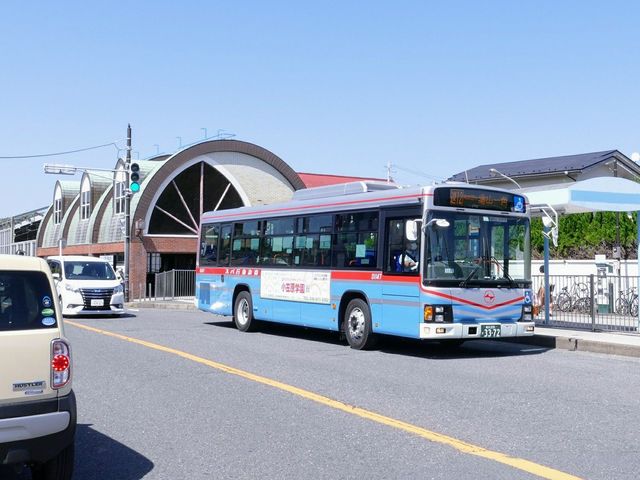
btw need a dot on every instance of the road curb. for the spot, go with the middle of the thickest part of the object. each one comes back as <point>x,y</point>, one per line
<point>580,344</point>
<point>163,305</point>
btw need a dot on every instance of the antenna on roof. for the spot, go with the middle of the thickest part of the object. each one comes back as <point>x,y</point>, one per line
<point>389,179</point>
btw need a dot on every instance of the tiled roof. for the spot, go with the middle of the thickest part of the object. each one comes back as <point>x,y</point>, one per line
<point>536,166</point>
<point>318,179</point>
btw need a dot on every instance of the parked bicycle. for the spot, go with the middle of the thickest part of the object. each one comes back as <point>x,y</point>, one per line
<point>577,298</point>
<point>627,302</point>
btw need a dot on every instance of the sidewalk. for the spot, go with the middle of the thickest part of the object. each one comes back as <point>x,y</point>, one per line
<point>549,337</point>
<point>612,343</point>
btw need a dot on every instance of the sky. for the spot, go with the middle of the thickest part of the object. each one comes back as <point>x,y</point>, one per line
<point>339,87</point>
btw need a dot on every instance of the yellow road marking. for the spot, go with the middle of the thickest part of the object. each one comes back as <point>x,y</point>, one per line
<point>464,447</point>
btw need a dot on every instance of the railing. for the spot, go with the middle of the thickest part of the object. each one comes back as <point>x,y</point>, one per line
<point>168,285</point>
<point>590,302</point>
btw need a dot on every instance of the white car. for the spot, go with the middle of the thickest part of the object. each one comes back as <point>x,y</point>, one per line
<point>37,404</point>
<point>87,285</point>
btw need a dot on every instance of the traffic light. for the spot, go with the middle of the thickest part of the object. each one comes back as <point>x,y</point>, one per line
<point>134,178</point>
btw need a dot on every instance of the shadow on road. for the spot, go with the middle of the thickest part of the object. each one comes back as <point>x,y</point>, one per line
<point>98,457</point>
<point>430,349</point>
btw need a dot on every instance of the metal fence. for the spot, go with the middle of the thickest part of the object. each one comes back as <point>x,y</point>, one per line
<point>169,286</point>
<point>590,302</point>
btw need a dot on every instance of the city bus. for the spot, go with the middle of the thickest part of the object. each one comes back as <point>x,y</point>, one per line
<point>336,258</point>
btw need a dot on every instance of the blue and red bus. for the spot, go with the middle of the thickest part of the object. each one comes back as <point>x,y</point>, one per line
<point>444,262</point>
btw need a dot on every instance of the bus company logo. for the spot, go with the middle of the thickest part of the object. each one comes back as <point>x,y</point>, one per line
<point>252,272</point>
<point>489,297</point>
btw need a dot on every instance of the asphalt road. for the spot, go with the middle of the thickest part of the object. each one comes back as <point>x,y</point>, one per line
<point>508,411</point>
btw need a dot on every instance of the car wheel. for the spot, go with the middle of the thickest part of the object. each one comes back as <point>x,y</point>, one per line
<point>243,312</point>
<point>357,325</point>
<point>59,467</point>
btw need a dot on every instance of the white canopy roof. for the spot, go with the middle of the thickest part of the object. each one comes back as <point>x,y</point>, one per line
<point>601,194</point>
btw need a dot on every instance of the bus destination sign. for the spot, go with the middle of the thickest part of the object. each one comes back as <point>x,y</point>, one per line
<point>480,199</point>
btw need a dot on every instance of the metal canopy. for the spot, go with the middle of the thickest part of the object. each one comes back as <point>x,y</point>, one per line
<point>600,194</point>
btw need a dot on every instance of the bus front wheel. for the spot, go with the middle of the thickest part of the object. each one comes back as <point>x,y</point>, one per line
<point>357,325</point>
<point>243,312</point>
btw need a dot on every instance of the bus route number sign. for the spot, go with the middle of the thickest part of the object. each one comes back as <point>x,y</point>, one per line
<point>477,198</point>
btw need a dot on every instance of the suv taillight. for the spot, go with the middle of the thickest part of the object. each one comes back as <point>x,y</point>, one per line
<point>60,363</point>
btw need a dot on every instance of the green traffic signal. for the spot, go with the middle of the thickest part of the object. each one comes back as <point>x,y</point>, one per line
<point>134,177</point>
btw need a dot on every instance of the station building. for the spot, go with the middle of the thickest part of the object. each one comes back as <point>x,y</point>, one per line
<point>87,217</point>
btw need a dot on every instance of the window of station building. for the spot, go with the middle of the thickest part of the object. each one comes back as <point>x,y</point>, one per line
<point>57,206</point>
<point>57,211</point>
<point>154,262</point>
<point>209,245</point>
<point>356,243</point>
<point>85,199</point>
<point>118,192</point>
<point>85,205</point>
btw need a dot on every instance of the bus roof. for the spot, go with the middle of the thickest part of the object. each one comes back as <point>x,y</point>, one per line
<point>332,198</point>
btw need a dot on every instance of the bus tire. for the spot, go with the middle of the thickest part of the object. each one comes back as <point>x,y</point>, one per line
<point>243,312</point>
<point>357,325</point>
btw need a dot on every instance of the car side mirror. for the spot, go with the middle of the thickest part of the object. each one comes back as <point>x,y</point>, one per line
<point>56,276</point>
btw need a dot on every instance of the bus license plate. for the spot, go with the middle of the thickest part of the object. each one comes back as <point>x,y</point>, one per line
<point>97,302</point>
<point>490,331</point>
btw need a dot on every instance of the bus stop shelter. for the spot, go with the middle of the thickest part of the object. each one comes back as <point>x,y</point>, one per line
<point>599,194</point>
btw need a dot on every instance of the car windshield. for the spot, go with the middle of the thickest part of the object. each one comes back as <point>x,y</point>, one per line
<point>87,270</point>
<point>470,248</point>
<point>26,301</point>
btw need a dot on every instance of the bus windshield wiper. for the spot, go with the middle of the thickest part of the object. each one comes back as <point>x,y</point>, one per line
<point>463,284</point>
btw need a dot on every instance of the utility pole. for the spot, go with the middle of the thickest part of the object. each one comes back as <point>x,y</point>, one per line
<point>127,216</point>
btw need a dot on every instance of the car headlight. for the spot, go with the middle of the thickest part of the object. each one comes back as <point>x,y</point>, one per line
<point>118,289</point>
<point>71,288</point>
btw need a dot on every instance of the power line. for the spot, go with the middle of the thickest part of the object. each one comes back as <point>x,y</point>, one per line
<point>62,153</point>
<point>417,172</point>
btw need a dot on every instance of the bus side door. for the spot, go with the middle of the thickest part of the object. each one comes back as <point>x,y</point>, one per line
<point>401,283</point>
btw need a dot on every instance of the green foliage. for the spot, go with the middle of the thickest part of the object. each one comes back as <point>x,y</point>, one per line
<point>581,236</point>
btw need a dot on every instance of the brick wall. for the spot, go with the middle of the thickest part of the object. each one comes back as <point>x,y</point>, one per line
<point>138,253</point>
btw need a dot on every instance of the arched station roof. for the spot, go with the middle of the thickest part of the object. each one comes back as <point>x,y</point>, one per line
<point>175,189</point>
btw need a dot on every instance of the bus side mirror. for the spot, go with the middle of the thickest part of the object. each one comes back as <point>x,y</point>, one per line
<point>411,229</point>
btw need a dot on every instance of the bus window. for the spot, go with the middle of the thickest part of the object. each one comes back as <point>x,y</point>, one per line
<point>209,245</point>
<point>277,251</point>
<point>225,245</point>
<point>356,250</point>
<point>279,226</point>
<point>312,250</point>
<point>402,254</point>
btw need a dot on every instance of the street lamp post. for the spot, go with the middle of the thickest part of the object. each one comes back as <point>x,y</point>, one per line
<point>72,170</point>
<point>127,216</point>
<point>495,172</point>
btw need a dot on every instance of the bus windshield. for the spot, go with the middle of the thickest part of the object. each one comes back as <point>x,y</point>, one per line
<point>476,249</point>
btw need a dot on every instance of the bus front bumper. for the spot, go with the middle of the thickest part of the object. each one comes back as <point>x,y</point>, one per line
<point>485,330</point>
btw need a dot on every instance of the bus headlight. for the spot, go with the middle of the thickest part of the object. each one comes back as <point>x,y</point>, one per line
<point>437,313</point>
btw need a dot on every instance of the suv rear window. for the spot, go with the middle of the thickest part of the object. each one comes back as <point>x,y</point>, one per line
<point>26,301</point>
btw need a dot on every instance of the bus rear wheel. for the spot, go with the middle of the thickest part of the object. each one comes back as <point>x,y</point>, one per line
<point>357,325</point>
<point>243,312</point>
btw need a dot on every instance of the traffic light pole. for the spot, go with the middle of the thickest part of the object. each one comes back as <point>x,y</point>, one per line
<point>127,217</point>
